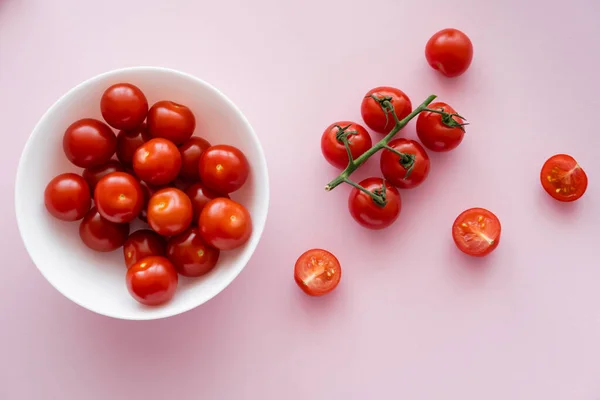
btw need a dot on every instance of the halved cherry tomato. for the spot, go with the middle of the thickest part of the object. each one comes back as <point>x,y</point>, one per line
<point>129,141</point>
<point>476,232</point>
<point>563,178</point>
<point>225,224</point>
<point>124,106</point>
<point>200,195</point>
<point>191,151</point>
<point>190,255</point>
<point>67,197</point>
<point>171,121</point>
<point>100,234</point>
<point>119,197</point>
<point>223,168</point>
<point>373,114</point>
<point>440,132</point>
<point>152,280</point>
<point>157,162</point>
<point>449,51</point>
<point>89,143</point>
<point>367,212</point>
<point>141,244</point>
<point>333,147</point>
<point>169,211</point>
<point>317,272</point>
<point>408,171</point>
<point>94,174</point>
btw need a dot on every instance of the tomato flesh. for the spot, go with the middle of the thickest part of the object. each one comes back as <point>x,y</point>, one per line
<point>563,178</point>
<point>476,232</point>
<point>317,272</point>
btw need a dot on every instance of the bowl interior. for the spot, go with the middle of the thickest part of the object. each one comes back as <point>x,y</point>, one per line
<point>97,280</point>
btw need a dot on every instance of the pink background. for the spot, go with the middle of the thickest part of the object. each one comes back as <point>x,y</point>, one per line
<point>412,318</point>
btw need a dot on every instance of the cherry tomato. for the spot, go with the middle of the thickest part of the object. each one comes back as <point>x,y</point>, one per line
<point>367,212</point>
<point>100,234</point>
<point>152,280</point>
<point>67,197</point>
<point>449,51</point>
<point>223,168</point>
<point>563,178</point>
<point>169,211</point>
<point>190,255</point>
<point>148,191</point>
<point>124,106</point>
<point>476,232</point>
<point>190,157</point>
<point>317,272</point>
<point>141,244</point>
<point>373,114</point>
<point>129,141</point>
<point>157,161</point>
<point>439,133</point>
<point>172,121</point>
<point>405,172</point>
<point>94,174</point>
<point>225,224</point>
<point>200,195</point>
<point>89,143</point>
<point>333,148</point>
<point>119,197</point>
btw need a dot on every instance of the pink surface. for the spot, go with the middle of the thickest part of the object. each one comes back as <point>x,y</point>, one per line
<point>412,318</point>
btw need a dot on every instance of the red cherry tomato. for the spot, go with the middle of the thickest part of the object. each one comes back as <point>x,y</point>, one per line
<point>440,133</point>
<point>449,51</point>
<point>100,234</point>
<point>333,148</point>
<point>476,232</point>
<point>317,272</point>
<point>89,143</point>
<point>172,121</point>
<point>373,114</point>
<point>225,224</point>
<point>129,141</point>
<point>148,191</point>
<point>169,212</point>
<point>67,197</point>
<point>405,172</point>
<point>157,161</point>
<point>152,280</point>
<point>119,197</point>
<point>223,168</point>
<point>94,174</point>
<point>367,212</point>
<point>190,157</point>
<point>124,106</point>
<point>190,255</point>
<point>200,195</point>
<point>563,178</point>
<point>141,244</point>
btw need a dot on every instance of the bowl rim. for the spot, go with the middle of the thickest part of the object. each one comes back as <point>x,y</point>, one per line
<point>258,228</point>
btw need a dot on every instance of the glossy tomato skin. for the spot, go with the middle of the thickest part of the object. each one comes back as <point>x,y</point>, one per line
<point>152,280</point>
<point>190,255</point>
<point>169,211</point>
<point>334,150</point>
<point>93,175</point>
<point>124,106</point>
<point>119,197</point>
<point>67,197</point>
<point>223,168</point>
<point>200,195</point>
<point>476,232</point>
<point>129,141</point>
<point>89,143</point>
<point>395,172</point>
<point>148,191</point>
<point>141,244</point>
<point>100,234</point>
<point>373,114</point>
<point>191,151</point>
<point>449,51</point>
<point>434,134</point>
<point>225,224</point>
<point>317,272</point>
<point>366,212</point>
<point>563,178</point>
<point>171,121</point>
<point>157,162</point>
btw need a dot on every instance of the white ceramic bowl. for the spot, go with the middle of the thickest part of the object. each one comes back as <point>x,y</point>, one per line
<point>94,280</point>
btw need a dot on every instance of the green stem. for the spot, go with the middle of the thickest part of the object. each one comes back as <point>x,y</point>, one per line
<point>379,199</point>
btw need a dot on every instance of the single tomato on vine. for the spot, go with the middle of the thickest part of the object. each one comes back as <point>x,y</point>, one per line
<point>449,51</point>
<point>332,144</point>
<point>141,244</point>
<point>370,213</point>
<point>317,272</point>
<point>563,178</point>
<point>374,115</point>
<point>225,224</point>
<point>124,106</point>
<point>223,168</point>
<point>157,162</point>
<point>67,197</point>
<point>152,280</point>
<point>476,232</point>
<point>171,121</point>
<point>89,143</point>
<point>408,170</point>
<point>441,129</point>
